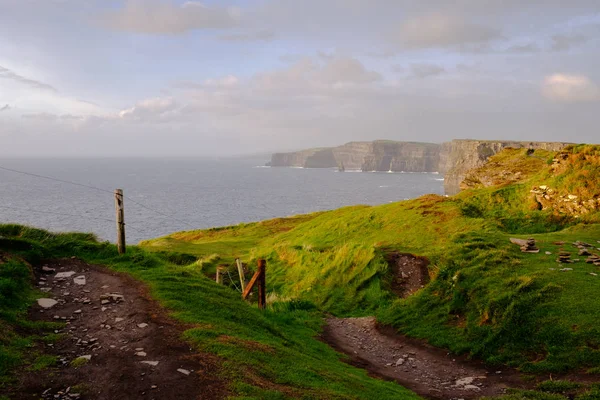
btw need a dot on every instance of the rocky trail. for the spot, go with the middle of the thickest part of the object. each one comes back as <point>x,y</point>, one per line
<point>431,372</point>
<point>117,342</point>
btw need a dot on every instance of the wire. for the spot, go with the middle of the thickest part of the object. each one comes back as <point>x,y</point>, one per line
<point>55,179</point>
<point>99,189</point>
<point>65,215</point>
<point>232,281</point>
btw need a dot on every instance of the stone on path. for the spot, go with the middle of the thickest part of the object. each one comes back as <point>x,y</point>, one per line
<point>47,270</point>
<point>142,325</point>
<point>152,363</point>
<point>47,303</point>
<point>64,274</point>
<point>183,371</point>
<point>141,354</point>
<point>80,280</point>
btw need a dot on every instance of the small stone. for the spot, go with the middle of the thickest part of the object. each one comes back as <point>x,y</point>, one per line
<point>400,362</point>
<point>80,280</point>
<point>64,274</point>
<point>119,319</point>
<point>142,325</point>
<point>548,253</point>
<point>139,349</point>
<point>47,303</point>
<point>183,371</point>
<point>151,363</point>
<point>153,387</point>
<point>77,312</point>
<point>103,309</point>
<point>104,302</point>
<point>141,354</point>
<point>47,270</point>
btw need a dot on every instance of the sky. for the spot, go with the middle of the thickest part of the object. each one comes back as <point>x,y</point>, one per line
<point>215,78</point>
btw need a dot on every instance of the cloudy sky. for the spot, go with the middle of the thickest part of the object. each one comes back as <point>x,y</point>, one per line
<point>150,77</point>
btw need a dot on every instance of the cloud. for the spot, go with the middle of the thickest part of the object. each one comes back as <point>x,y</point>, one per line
<point>41,117</point>
<point>528,48</point>
<point>570,88</point>
<point>160,17</point>
<point>441,30</point>
<point>426,70</point>
<point>566,42</point>
<point>154,109</point>
<point>5,108</point>
<point>6,73</point>
<point>248,37</point>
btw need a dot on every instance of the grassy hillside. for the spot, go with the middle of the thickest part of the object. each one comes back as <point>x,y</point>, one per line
<point>485,297</point>
<point>271,354</point>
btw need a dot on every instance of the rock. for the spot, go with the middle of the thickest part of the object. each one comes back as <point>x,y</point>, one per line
<point>77,312</point>
<point>64,274</point>
<point>183,371</point>
<point>566,269</point>
<point>548,253</point>
<point>141,354</point>
<point>465,381</point>
<point>114,297</point>
<point>47,303</point>
<point>47,270</point>
<point>104,302</point>
<point>80,280</point>
<point>151,363</point>
<point>139,349</point>
<point>142,325</point>
<point>400,362</point>
<point>593,274</point>
<point>119,319</point>
<point>471,387</point>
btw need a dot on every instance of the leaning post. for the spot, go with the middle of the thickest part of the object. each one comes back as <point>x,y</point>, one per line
<point>120,210</point>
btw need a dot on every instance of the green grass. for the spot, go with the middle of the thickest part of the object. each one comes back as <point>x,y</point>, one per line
<point>19,337</point>
<point>271,354</point>
<point>486,298</point>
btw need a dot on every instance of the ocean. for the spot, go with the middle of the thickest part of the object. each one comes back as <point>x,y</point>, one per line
<point>164,195</point>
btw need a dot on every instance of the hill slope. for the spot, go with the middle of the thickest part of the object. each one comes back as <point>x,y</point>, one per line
<point>485,297</point>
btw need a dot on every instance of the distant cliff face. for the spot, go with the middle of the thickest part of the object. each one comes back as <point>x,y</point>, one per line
<point>366,156</point>
<point>464,155</point>
<point>453,159</point>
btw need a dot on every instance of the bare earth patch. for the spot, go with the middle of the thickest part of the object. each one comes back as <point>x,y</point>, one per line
<point>118,343</point>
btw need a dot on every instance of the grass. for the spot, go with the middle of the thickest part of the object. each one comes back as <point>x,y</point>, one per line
<point>20,339</point>
<point>486,298</point>
<point>271,354</point>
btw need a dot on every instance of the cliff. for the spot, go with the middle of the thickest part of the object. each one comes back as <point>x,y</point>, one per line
<point>465,155</point>
<point>453,159</point>
<point>380,155</point>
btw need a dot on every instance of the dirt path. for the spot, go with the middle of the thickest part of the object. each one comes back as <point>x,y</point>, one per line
<point>134,348</point>
<point>428,371</point>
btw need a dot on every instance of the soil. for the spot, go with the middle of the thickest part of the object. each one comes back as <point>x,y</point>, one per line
<point>429,371</point>
<point>118,335</point>
<point>410,273</point>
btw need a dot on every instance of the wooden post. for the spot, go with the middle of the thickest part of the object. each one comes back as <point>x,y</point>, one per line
<point>262,289</point>
<point>258,279</point>
<point>240,268</point>
<point>120,220</point>
<point>221,269</point>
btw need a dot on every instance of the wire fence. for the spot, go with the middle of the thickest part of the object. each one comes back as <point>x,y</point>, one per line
<point>89,187</point>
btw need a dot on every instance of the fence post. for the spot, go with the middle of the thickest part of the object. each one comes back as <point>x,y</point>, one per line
<point>220,270</point>
<point>262,290</point>
<point>240,268</point>
<point>120,210</point>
